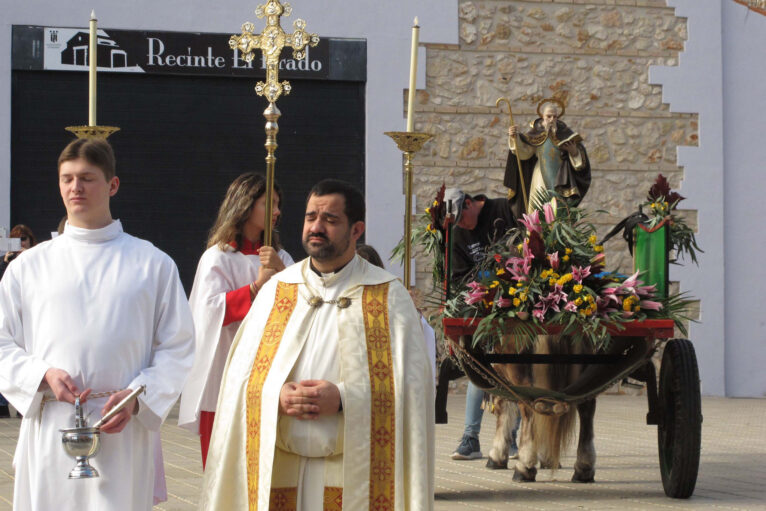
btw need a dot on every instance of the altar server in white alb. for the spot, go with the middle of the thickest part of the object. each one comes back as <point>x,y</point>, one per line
<point>92,311</point>
<point>326,401</point>
<point>231,271</point>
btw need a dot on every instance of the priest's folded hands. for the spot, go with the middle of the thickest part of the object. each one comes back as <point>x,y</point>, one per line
<point>309,399</point>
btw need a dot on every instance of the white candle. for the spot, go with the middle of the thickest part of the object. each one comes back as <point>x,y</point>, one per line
<point>413,76</point>
<point>92,61</point>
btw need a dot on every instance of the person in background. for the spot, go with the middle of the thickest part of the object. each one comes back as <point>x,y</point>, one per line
<point>479,221</point>
<point>28,240</point>
<point>230,273</point>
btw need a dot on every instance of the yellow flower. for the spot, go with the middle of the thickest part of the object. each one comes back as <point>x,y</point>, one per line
<point>589,298</point>
<point>568,251</point>
<point>565,258</point>
<point>578,301</point>
<point>564,279</point>
<point>523,297</point>
<point>589,311</point>
<point>428,211</point>
<point>627,304</point>
<point>519,284</point>
<point>511,291</point>
<point>583,312</point>
<point>551,282</point>
<point>592,239</point>
<point>436,203</point>
<point>500,272</point>
<point>520,247</point>
<point>516,302</point>
<point>430,228</point>
<point>494,284</point>
<point>636,308</point>
<point>544,274</point>
<point>598,248</point>
<point>654,204</point>
<point>577,287</point>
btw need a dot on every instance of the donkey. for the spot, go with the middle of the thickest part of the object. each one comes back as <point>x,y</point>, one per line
<point>543,436</point>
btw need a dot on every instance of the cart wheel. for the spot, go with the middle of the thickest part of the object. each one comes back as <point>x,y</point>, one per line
<point>680,426</point>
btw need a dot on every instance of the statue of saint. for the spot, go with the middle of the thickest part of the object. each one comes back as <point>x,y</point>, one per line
<point>552,158</point>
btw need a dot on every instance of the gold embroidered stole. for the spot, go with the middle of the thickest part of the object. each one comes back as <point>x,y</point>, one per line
<point>284,304</point>
<point>382,412</point>
<point>286,499</point>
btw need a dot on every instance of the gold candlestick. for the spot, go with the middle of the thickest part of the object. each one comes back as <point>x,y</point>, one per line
<point>270,42</point>
<point>409,143</point>
<point>92,130</point>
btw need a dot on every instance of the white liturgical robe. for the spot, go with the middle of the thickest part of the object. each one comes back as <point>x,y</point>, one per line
<point>110,310</point>
<point>219,271</point>
<point>365,337</point>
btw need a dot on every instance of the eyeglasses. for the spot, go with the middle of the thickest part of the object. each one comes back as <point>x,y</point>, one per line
<point>24,238</point>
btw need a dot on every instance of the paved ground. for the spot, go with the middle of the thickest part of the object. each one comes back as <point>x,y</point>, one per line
<point>732,473</point>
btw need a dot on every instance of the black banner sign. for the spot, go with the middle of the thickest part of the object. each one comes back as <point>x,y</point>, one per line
<point>131,51</point>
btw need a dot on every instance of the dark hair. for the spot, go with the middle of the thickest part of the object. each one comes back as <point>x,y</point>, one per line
<point>354,199</point>
<point>236,208</point>
<point>20,231</point>
<point>95,151</point>
<point>369,254</point>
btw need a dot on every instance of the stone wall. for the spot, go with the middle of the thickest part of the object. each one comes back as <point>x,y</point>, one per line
<point>594,55</point>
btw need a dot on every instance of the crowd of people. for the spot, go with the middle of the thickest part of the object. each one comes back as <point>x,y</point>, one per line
<point>309,383</point>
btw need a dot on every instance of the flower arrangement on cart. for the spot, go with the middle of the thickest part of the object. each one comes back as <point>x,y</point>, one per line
<point>552,272</point>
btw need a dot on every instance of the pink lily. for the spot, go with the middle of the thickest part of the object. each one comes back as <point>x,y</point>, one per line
<point>554,260</point>
<point>646,290</point>
<point>550,212</point>
<point>580,273</point>
<point>538,314</point>
<point>503,302</point>
<point>532,222</point>
<point>570,307</point>
<point>477,294</point>
<point>649,304</point>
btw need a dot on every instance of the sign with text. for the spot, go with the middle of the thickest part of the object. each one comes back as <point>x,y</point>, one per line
<point>131,51</point>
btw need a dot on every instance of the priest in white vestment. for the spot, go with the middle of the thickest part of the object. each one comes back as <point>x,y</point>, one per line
<point>327,397</point>
<point>91,312</point>
<point>230,273</point>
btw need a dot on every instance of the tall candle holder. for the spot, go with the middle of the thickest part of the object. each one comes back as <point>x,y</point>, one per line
<point>92,130</point>
<point>409,142</point>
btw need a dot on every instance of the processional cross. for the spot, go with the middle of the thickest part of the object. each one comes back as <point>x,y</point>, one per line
<point>271,42</point>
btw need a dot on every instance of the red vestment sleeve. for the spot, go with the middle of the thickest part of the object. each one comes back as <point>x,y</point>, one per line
<point>237,305</point>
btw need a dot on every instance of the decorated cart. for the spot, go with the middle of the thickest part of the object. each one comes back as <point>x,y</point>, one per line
<point>547,280</point>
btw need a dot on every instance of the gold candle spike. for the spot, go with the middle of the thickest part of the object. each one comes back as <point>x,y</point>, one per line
<point>92,130</point>
<point>409,142</point>
<point>270,42</point>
